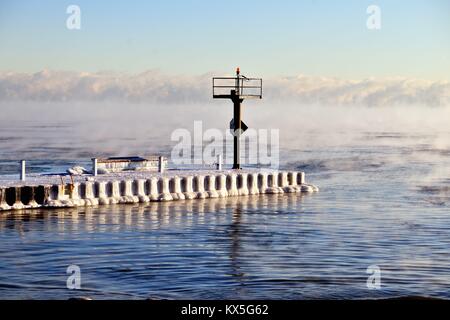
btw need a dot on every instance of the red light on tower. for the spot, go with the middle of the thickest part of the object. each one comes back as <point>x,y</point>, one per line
<point>238,71</point>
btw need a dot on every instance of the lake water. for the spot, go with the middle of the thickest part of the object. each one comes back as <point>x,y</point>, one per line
<point>384,200</point>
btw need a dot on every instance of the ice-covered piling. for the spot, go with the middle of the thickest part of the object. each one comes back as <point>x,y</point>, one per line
<point>22,170</point>
<point>168,186</point>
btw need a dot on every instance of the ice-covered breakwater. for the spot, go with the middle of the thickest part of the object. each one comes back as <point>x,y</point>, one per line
<point>132,187</point>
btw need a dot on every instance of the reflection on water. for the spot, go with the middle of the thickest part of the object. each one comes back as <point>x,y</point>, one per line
<point>151,250</point>
<point>120,217</point>
<point>271,246</point>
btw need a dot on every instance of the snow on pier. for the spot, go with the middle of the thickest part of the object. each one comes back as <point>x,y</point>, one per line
<point>142,186</point>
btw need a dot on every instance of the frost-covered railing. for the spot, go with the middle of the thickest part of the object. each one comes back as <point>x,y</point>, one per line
<point>119,164</point>
<point>243,87</point>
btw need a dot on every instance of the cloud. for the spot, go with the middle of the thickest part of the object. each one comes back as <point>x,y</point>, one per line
<point>154,86</point>
<point>367,92</point>
<point>82,86</point>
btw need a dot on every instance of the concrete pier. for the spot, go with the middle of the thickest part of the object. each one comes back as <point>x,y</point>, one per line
<point>50,191</point>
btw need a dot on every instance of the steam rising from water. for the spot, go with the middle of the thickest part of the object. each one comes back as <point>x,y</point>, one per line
<point>85,129</point>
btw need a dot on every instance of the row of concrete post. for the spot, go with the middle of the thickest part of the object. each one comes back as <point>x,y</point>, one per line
<point>156,188</point>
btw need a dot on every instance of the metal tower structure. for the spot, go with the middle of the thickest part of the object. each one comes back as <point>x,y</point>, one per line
<point>237,89</point>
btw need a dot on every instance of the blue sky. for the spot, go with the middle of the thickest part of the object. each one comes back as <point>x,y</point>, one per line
<point>264,38</point>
